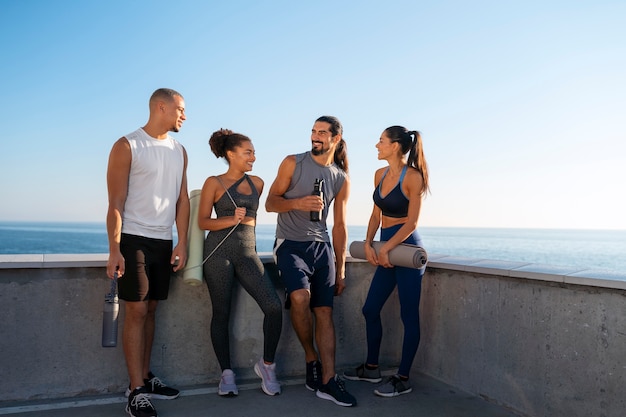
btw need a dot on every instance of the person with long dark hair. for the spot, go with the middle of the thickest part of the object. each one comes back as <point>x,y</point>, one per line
<point>230,252</point>
<point>398,192</point>
<point>304,254</point>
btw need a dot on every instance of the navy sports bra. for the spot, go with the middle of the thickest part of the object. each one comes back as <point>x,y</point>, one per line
<point>395,204</point>
<point>225,207</point>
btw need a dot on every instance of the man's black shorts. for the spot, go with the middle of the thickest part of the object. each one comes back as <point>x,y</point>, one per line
<point>148,268</point>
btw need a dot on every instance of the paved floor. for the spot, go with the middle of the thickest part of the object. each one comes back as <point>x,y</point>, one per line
<point>429,398</point>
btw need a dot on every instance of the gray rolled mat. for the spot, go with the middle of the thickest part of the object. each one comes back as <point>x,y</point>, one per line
<point>410,256</point>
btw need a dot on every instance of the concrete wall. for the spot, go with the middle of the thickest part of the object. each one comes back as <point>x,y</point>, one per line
<point>543,341</point>
<point>50,332</point>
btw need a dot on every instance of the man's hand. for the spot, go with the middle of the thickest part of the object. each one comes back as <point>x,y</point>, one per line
<point>340,285</point>
<point>117,263</point>
<point>311,203</point>
<point>180,252</point>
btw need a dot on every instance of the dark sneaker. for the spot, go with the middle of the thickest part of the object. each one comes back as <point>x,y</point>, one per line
<point>393,386</point>
<point>157,389</point>
<point>335,391</point>
<point>313,375</point>
<point>361,373</point>
<point>139,404</point>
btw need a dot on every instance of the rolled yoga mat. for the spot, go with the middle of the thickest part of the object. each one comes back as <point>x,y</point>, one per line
<point>409,256</point>
<point>192,274</point>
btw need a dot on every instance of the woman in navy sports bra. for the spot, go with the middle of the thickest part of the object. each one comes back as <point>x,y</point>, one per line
<point>398,193</point>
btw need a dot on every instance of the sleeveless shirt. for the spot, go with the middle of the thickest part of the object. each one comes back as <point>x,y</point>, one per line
<point>394,204</point>
<point>225,207</point>
<point>296,224</point>
<point>154,184</point>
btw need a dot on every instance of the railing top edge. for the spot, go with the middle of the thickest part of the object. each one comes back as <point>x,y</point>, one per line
<point>524,270</point>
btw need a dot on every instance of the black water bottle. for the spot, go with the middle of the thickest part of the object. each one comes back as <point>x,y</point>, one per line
<point>110,315</point>
<point>317,190</point>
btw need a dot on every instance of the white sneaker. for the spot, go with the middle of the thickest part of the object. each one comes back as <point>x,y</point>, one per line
<point>267,373</point>
<point>227,386</point>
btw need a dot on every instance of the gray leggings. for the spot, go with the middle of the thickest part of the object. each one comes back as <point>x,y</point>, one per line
<point>237,259</point>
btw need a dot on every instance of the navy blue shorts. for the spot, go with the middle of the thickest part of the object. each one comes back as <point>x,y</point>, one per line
<point>148,268</point>
<point>307,265</point>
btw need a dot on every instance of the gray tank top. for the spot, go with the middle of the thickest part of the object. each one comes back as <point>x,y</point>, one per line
<point>296,225</point>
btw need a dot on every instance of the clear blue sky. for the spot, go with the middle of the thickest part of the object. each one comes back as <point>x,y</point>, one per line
<point>521,104</point>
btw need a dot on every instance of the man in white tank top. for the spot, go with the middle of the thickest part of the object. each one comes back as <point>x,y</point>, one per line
<point>147,186</point>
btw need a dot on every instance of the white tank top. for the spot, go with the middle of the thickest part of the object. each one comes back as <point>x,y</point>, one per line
<point>154,183</point>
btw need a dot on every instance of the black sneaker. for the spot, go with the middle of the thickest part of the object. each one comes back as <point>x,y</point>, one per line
<point>157,389</point>
<point>139,404</point>
<point>335,391</point>
<point>313,375</point>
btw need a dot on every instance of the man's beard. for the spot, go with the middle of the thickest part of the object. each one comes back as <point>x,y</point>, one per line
<point>320,151</point>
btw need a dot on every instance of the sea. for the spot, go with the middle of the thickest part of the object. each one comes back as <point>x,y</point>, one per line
<point>588,249</point>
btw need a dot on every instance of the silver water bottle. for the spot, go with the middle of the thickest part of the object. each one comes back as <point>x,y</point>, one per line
<point>110,315</point>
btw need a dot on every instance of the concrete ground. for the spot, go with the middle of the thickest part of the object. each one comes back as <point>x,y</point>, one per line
<point>429,398</point>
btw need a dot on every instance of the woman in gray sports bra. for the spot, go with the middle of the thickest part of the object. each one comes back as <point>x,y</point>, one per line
<point>398,193</point>
<point>230,255</point>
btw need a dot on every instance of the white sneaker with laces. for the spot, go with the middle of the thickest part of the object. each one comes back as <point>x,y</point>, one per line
<point>267,373</point>
<point>227,386</point>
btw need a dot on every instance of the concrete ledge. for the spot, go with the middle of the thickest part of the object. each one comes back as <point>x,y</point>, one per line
<point>530,271</point>
<point>56,260</point>
<point>525,270</point>
<point>541,340</point>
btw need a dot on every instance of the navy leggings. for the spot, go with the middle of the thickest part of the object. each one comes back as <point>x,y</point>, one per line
<point>409,282</point>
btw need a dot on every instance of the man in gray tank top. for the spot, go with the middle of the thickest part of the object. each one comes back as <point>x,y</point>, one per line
<point>312,269</point>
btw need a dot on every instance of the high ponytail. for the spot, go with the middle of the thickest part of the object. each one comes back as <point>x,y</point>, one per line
<point>411,142</point>
<point>417,159</point>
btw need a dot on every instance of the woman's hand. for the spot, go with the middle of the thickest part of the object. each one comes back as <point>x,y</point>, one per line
<point>370,254</point>
<point>240,213</point>
<point>383,257</point>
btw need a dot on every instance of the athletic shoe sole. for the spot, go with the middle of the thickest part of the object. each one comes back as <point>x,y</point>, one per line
<point>329,397</point>
<point>227,393</point>
<point>360,378</point>
<point>392,394</point>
